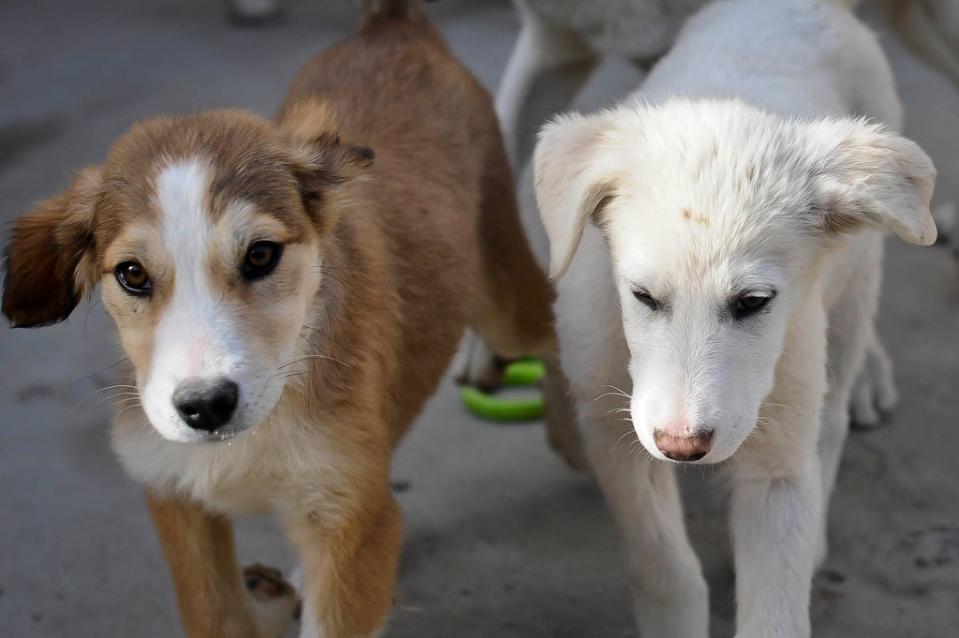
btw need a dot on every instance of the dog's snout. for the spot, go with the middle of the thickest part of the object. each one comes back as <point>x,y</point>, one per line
<point>206,404</point>
<point>684,448</point>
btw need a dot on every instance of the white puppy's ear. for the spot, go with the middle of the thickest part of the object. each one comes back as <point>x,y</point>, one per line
<point>572,185</point>
<point>876,178</point>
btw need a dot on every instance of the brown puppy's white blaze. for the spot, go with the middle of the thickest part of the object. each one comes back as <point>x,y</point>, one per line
<point>217,305</point>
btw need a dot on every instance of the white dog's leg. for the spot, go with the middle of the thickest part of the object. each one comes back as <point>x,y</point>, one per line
<point>670,597</point>
<point>853,346</point>
<point>544,73</point>
<point>776,508</point>
<point>775,521</point>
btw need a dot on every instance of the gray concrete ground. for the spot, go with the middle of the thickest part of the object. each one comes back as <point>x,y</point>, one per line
<point>501,540</point>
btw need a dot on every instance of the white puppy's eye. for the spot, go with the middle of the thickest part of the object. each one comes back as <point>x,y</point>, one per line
<point>751,303</point>
<point>646,299</point>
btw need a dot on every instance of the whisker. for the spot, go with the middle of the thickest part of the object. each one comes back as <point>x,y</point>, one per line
<point>290,375</point>
<point>624,435</point>
<point>615,392</point>
<point>127,409</point>
<point>610,394</point>
<point>307,357</point>
<point>100,371</point>
<point>118,395</point>
<point>115,386</point>
<point>99,391</point>
<point>128,401</point>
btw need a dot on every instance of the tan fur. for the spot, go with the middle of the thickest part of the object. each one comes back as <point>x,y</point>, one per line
<point>201,556</point>
<point>415,245</point>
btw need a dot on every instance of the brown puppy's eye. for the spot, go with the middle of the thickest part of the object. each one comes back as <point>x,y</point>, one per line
<point>133,278</point>
<point>261,258</point>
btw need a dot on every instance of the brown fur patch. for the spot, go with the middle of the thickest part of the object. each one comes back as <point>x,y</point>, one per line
<point>49,262</point>
<point>200,552</point>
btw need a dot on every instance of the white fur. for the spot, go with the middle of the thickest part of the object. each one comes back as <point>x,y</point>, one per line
<point>692,193</point>
<point>561,43</point>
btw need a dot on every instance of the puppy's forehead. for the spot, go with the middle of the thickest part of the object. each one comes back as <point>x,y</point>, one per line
<point>713,185</point>
<point>214,161</point>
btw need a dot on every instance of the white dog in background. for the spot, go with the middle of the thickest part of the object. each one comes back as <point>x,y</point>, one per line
<point>562,41</point>
<point>717,244</point>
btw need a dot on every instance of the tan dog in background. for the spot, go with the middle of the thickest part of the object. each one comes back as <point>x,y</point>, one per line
<point>288,303</point>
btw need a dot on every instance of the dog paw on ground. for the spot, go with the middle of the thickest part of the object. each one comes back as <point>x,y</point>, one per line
<point>275,602</point>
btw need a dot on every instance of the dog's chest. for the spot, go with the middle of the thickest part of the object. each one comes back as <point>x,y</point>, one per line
<point>264,469</point>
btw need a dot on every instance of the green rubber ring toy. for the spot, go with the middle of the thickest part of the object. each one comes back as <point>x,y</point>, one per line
<point>524,372</point>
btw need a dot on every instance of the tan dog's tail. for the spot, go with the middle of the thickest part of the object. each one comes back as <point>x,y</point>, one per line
<point>391,8</point>
<point>930,28</point>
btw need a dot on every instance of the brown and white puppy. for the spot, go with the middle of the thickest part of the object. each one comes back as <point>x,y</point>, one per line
<point>288,303</point>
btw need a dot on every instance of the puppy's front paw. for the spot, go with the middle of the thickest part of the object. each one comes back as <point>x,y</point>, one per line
<point>275,602</point>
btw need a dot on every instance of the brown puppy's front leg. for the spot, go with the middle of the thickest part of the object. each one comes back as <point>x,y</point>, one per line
<point>349,574</point>
<point>200,553</point>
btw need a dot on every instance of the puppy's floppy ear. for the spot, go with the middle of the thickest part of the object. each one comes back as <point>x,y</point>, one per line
<point>50,261</point>
<point>571,186</point>
<point>320,161</point>
<point>875,178</point>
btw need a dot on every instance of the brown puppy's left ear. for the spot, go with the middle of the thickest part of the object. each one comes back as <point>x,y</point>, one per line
<point>49,259</point>
<point>325,163</point>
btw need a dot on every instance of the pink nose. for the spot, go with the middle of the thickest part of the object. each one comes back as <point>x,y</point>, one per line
<point>684,448</point>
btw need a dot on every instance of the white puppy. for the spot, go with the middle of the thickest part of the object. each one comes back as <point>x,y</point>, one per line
<point>562,41</point>
<point>719,243</point>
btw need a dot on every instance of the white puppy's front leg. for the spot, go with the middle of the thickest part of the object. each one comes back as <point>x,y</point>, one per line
<point>670,597</point>
<point>775,525</point>
<point>777,494</point>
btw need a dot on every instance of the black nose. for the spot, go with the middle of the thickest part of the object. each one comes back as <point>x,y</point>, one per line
<point>206,404</point>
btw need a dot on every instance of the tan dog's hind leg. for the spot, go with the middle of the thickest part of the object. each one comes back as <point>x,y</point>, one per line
<point>349,575</point>
<point>211,596</point>
<point>514,315</point>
